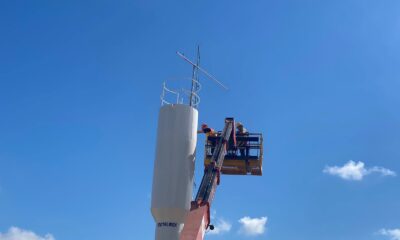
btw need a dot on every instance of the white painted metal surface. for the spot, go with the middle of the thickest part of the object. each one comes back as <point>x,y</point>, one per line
<point>173,169</point>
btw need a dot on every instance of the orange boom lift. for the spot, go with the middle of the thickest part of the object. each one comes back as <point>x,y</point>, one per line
<point>221,158</point>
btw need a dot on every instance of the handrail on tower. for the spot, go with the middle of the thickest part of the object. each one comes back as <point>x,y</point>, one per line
<point>163,96</point>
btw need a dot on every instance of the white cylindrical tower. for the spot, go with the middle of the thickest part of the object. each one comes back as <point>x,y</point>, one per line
<point>173,169</point>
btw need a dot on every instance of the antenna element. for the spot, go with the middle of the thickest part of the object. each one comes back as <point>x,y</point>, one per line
<point>197,67</point>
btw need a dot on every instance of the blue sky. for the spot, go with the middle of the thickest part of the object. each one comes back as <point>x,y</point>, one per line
<point>79,98</point>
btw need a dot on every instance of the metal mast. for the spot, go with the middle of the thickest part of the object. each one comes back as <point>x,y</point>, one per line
<point>194,98</point>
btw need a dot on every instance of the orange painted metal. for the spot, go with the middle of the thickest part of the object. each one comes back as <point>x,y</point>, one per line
<point>196,223</point>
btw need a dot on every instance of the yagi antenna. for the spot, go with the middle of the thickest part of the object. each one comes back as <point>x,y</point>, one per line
<point>202,70</point>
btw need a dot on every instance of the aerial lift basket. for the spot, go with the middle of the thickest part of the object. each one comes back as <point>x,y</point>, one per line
<point>244,157</point>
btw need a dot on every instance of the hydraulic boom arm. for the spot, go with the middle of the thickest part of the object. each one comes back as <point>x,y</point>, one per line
<point>198,219</point>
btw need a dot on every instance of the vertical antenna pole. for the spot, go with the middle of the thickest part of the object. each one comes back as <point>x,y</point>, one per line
<point>195,79</point>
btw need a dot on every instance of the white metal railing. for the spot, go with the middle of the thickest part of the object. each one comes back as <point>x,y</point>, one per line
<point>181,96</point>
<point>164,92</point>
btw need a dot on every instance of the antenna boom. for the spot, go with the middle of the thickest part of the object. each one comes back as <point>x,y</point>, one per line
<point>202,70</point>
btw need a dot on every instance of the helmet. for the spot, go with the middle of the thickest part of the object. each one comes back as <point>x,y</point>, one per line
<point>239,124</point>
<point>204,126</point>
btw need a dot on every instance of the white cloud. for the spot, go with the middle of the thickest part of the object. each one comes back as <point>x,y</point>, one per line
<point>222,226</point>
<point>394,234</point>
<point>383,171</point>
<point>213,214</point>
<point>15,233</point>
<point>356,171</point>
<point>252,226</point>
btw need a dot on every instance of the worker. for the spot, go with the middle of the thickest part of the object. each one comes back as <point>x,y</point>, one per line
<point>211,142</point>
<point>242,143</point>
<point>205,129</point>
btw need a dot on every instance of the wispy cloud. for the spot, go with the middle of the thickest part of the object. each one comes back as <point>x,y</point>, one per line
<point>356,171</point>
<point>393,234</point>
<point>252,226</point>
<point>15,233</point>
<point>213,214</point>
<point>222,226</point>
